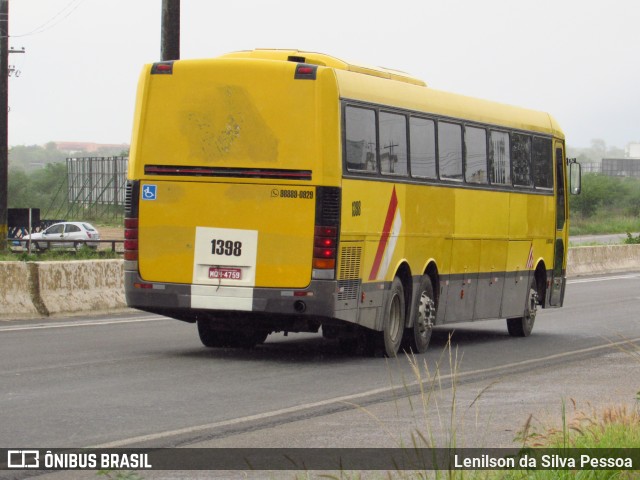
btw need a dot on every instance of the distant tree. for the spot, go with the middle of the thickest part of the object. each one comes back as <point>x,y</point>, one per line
<point>45,188</point>
<point>18,188</point>
<point>595,153</point>
<point>34,156</point>
<point>602,193</point>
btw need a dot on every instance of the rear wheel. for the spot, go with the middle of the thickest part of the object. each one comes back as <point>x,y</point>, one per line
<point>523,326</point>
<point>210,337</point>
<point>217,338</point>
<point>417,338</point>
<point>388,341</point>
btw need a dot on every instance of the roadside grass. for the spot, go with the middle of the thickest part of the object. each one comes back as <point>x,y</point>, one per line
<point>603,223</point>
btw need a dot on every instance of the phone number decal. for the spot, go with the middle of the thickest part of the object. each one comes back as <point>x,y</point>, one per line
<point>296,194</point>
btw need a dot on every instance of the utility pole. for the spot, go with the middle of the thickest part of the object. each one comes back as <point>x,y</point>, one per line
<point>170,49</point>
<point>4,131</point>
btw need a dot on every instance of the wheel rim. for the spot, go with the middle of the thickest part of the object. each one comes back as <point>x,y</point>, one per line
<point>425,319</point>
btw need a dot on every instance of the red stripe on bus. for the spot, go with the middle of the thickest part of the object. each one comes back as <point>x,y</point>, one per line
<point>384,239</point>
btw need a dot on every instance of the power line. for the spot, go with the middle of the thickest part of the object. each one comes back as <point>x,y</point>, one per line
<point>55,20</point>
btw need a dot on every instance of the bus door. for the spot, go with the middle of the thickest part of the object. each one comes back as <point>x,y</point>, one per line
<point>556,296</point>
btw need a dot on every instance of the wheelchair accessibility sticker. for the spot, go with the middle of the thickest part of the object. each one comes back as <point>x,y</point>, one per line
<point>149,192</point>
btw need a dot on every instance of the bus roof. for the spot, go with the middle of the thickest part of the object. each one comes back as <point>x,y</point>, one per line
<point>325,61</point>
<point>410,95</point>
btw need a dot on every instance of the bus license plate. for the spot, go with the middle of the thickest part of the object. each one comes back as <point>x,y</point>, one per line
<point>219,273</point>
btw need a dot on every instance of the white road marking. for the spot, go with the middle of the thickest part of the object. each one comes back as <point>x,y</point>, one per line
<point>605,279</point>
<point>93,323</point>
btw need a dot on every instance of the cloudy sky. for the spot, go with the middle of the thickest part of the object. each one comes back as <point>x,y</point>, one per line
<point>577,59</point>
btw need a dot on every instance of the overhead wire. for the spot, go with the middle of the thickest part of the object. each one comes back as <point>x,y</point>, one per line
<point>55,20</point>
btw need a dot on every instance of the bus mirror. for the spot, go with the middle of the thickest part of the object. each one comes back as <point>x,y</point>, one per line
<point>575,177</point>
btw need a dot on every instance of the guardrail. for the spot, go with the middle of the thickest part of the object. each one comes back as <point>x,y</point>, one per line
<point>29,245</point>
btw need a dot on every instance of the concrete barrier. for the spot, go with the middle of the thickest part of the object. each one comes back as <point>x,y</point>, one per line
<point>41,289</point>
<point>603,259</point>
<point>80,286</point>
<point>16,299</point>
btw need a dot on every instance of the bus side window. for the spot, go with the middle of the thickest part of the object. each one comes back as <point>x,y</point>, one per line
<point>450,150</point>
<point>521,159</point>
<point>499,158</point>
<point>476,155</point>
<point>542,163</point>
<point>360,136</point>
<point>393,144</point>
<point>422,142</point>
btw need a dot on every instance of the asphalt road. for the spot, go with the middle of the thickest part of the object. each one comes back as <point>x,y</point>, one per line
<point>142,380</point>
<point>612,239</point>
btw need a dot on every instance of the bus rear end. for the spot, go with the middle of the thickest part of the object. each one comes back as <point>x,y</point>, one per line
<point>233,203</point>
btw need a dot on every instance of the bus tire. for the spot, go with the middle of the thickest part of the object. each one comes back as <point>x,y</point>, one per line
<point>523,326</point>
<point>217,338</point>
<point>417,338</point>
<point>237,339</point>
<point>209,337</point>
<point>394,319</point>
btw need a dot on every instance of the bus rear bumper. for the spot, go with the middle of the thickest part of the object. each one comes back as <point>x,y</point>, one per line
<point>185,302</point>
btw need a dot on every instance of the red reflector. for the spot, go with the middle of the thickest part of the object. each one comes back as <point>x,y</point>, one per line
<point>326,231</point>
<point>130,234</point>
<point>324,252</point>
<point>143,285</point>
<point>131,255</point>
<point>130,223</point>
<point>162,68</point>
<point>302,294</point>
<point>305,70</point>
<point>325,242</point>
<point>131,244</point>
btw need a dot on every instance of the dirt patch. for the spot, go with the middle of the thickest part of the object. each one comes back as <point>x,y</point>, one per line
<point>111,233</point>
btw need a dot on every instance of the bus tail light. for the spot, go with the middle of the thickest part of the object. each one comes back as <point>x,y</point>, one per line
<point>326,233</point>
<point>131,225</point>
<point>305,72</point>
<point>131,239</point>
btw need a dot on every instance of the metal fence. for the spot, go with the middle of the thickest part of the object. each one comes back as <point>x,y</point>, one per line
<point>96,185</point>
<point>614,167</point>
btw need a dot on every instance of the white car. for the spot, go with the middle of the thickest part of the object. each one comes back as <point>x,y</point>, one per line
<point>64,235</point>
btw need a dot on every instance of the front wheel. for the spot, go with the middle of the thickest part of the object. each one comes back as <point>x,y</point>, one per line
<point>523,326</point>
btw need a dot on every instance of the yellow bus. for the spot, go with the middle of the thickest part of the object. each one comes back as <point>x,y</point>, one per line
<point>276,190</point>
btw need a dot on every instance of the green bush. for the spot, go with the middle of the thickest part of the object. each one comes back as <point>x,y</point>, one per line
<point>631,239</point>
<point>605,205</point>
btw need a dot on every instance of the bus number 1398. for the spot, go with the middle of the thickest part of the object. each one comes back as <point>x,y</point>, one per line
<point>226,247</point>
